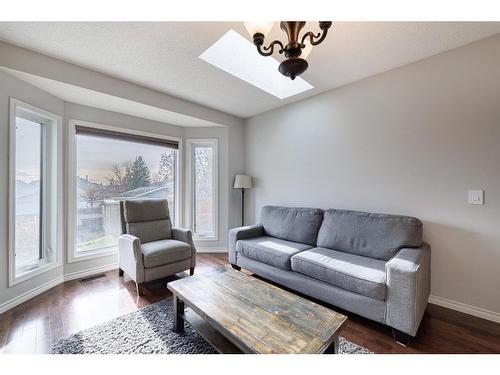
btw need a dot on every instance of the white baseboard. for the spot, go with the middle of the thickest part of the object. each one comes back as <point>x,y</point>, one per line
<point>50,284</point>
<point>467,309</point>
<point>30,294</point>
<point>208,249</point>
<point>90,272</point>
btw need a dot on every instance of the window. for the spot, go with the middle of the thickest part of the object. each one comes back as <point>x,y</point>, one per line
<point>34,198</point>
<point>29,201</point>
<point>111,166</point>
<point>203,181</point>
<point>236,55</point>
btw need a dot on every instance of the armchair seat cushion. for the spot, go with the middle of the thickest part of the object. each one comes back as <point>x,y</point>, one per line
<point>159,253</point>
<point>270,250</point>
<point>365,276</point>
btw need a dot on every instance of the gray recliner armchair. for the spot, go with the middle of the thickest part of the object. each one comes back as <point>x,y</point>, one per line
<point>149,248</point>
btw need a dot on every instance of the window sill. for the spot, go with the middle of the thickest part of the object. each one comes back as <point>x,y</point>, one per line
<point>28,274</point>
<point>87,255</point>
<point>205,239</point>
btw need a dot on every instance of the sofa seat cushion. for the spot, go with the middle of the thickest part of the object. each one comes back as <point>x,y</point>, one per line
<point>159,253</point>
<point>365,276</point>
<point>270,250</point>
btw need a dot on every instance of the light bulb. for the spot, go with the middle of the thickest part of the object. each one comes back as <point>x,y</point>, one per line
<point>306,50</point>
<point>258,27</point>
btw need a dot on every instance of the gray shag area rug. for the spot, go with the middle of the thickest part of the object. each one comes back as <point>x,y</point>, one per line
<point>149,331</point>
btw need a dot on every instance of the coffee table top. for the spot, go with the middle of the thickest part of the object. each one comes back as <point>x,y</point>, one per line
<point>256,316</point>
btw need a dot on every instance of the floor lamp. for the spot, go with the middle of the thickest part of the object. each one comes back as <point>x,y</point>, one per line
<point>242,181</point>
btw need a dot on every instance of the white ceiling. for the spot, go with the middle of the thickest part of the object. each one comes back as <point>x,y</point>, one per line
<point>164,55</point>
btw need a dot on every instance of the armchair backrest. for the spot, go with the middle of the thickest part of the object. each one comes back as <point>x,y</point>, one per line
<point>147,219</point>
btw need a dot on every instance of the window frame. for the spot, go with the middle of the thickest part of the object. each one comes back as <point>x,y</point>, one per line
<point>72,169</point>
<point>190,146</point>
<point>51,232</point>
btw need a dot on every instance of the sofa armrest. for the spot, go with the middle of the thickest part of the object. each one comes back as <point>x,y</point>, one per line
<point>185,235</point>
<point>130,257</point>
<point>408,279</point>
<point>242,233</point>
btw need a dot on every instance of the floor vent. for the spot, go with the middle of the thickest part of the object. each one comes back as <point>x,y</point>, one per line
<point>91,278</point>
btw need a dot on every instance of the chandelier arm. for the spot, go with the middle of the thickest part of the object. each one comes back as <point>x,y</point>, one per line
<point>270,48</point>
<point>324,26</point>
<point>312,37</point>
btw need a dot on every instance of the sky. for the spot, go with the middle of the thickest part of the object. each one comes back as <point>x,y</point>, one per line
<point>96,155</point>
<point>27,150</point>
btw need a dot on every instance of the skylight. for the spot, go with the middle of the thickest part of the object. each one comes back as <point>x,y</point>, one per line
<point>237,56</point>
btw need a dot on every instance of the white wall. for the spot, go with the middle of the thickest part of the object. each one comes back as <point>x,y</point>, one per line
<point>410,141</point>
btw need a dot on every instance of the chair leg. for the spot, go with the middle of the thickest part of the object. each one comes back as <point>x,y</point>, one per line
<point>237,268</point>
<point>139,287</point>
<point>120,272</point>
<point>191,271</point>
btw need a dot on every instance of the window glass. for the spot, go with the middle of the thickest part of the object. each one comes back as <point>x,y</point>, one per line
<point>203,189</point>
<point>28,200</point>
<point>110,170</point>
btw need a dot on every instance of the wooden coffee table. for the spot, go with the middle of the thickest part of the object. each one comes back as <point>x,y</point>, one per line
<point>245,314</point>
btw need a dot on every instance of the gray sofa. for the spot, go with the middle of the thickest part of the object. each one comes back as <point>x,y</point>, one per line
<point>374,265</point>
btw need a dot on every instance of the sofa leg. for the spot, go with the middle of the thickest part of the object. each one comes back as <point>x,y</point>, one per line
<point>401,337</point>
<point>191,271</point>
<point>139,287</point>
<point>120,272</point>
<point>237,268</point>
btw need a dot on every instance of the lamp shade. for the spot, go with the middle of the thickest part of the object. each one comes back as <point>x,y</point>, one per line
<point>242,181</point>
<point>258,27</point>
<point>306,51</point>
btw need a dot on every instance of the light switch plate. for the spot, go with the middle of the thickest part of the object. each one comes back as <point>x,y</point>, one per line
<point>476,197</point>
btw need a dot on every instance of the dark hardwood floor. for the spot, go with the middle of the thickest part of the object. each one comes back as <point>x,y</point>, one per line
<point>35,325</point>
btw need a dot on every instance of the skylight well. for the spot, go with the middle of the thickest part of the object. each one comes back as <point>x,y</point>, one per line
<point>236,55</point>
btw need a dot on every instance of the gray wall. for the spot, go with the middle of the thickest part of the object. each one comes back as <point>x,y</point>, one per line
<point>409,141</point>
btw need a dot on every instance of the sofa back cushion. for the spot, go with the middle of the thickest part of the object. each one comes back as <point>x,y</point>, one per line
<point>377,236</point>
<point>147,219</point>
<point>292,223</point>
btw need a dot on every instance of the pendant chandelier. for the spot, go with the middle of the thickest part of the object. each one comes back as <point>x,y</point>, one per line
<point>295,51</point>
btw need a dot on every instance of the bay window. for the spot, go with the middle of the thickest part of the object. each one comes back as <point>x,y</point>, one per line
<point>112,165</point>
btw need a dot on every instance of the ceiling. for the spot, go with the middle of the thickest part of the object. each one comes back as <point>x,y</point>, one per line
<point>164,55</point>
<point>96,99</point>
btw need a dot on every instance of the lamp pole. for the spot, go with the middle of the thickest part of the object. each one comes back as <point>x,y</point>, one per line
<point>242,206</point>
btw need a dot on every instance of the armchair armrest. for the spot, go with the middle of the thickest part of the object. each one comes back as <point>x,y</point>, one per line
<point>242,233</point>
<point>130,257</point>
<point>408,278</point>
<point>185,235</point>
